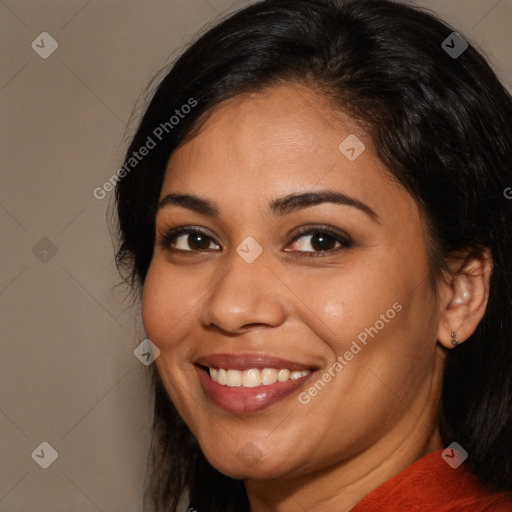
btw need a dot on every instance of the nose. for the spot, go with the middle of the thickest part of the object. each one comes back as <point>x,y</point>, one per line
<point>246,295</point>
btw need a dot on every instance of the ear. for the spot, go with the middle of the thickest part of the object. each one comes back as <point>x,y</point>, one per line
<point>464,294</point>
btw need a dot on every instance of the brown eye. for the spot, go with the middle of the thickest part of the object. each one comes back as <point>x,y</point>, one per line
<point>320,241</point>
<point>197,241</point>
<point>187,240</point>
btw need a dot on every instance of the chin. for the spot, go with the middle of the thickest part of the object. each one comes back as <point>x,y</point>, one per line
<point>249,463</point>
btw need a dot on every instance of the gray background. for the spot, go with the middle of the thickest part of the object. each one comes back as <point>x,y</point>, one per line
<point>68,375</point>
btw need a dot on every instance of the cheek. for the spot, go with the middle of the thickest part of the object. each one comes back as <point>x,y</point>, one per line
<point>165,304</point>
<point>343,302</point>
<point>152,305</point>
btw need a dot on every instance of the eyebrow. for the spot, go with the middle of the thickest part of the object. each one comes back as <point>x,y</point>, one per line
<point>280,206</point>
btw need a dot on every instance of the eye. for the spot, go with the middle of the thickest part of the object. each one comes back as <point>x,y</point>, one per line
<point>186,240</point>
<point>310,240</point>
<point>324,240</point>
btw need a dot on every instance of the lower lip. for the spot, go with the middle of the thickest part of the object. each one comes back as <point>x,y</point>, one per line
<point>245,400</point>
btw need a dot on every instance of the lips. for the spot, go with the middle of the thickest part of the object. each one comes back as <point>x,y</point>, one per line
<point>248,382</point>
<point>247,361</point>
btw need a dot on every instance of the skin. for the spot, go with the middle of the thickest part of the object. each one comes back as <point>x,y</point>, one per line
<point>379,414</point>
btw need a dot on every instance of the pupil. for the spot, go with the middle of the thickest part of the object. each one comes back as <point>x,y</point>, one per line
<point>198,241</point>
<point>322,242</point>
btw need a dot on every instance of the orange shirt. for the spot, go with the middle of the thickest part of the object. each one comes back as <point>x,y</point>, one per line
<point>431,485</point>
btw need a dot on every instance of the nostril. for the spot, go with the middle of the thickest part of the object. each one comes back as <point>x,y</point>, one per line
<point>251,326</point>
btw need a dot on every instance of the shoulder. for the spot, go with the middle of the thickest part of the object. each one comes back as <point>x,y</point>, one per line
<point>432,485</point>
<point>491,503</point>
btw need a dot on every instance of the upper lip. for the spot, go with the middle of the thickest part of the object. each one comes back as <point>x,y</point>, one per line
<point>248,361</point>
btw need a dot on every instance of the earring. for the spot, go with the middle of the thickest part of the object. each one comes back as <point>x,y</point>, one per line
<point>455,340</point>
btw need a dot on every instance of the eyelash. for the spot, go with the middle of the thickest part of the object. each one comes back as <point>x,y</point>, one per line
<point>166,238</point>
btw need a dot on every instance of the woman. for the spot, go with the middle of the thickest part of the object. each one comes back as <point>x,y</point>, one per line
<point>313,207</point>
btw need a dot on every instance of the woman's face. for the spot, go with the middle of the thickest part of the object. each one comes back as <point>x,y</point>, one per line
<point>328,294</point>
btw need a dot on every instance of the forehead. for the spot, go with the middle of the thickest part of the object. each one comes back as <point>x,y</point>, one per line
<point>281,140</point>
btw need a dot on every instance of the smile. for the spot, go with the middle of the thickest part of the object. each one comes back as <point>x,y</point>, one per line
<point>253,377</point>
<point>249,383</point>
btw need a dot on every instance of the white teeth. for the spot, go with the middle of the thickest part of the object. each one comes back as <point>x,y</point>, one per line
<point>268,376</point>
<point>283,375</point>
<point>251,378</point>
<point>254,377</point>
<point>233,378</point>
<point>222,379</point>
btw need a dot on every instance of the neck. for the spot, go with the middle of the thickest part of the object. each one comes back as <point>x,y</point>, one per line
<point>344,485</point>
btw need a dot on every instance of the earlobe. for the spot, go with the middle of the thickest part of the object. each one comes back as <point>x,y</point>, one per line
<point>466,294</point>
